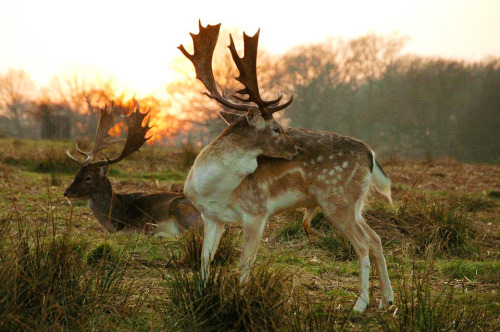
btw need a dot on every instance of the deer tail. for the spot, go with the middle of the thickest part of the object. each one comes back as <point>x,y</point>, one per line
<point>380,180</point>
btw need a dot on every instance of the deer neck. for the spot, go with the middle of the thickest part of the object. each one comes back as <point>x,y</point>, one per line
<point>103,204</point>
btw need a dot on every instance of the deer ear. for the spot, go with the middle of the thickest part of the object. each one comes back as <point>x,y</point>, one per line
<point>104,170</point>
<point>255,119</point>
<point>229,117</point>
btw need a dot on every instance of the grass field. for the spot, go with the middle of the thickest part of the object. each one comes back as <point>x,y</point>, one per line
<point>59,270</point>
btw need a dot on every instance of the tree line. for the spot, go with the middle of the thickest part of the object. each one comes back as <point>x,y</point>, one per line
<point>404,105</point>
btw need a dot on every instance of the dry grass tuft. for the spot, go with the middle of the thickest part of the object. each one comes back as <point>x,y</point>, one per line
<point>191,243</point>
<point>45,284</point>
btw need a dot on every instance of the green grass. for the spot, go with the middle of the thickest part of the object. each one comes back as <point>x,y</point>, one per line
<point>46,284</point>
<point>191,242</point>
<point>219,304</point>
<point>423,305</point>
<point>59,270</point>
<point>473,203</point>
<point>471,270</point>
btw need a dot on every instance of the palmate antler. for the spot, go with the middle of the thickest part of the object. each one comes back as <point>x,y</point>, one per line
<point>136,137</point>
<point>204,45</point>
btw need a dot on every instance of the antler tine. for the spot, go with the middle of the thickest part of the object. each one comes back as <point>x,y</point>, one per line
<point>247,66</point>
<point>104,125</point>
<point>277,108</point>
<point>79,162</point>
<point>204,45</point>
<point>135,137</point>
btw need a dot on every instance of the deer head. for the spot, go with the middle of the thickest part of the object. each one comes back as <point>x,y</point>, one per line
<point>92,175</point>
<point>257,129</point>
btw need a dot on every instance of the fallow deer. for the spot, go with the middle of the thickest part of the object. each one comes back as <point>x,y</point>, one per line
<point>160,214</point>
<point>254,169</point>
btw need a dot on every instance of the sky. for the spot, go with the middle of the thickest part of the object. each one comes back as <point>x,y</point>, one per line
<point>135,42</point>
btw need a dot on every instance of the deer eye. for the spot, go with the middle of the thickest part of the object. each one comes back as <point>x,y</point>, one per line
<point>87,179</point>
<point>276,129</point>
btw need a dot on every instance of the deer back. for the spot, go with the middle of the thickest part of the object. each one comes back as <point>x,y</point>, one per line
<point>327,167</point>
<point>156,208</point>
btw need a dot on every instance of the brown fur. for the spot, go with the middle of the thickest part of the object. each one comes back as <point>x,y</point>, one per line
<point>329,171</point>
<point>134,211</point>
<point>254,170</point>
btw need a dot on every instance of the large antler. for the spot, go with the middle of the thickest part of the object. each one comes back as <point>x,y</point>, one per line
<point>135,137</point>
<point>247,66</point>
<point>204,45</point>
<point>102,134</point>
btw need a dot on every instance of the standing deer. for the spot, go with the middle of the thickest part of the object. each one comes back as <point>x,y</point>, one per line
<point>161,214</point>
<point>254,169</point>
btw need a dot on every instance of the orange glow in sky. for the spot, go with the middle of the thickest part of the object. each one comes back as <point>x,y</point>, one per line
<point>135,42</point>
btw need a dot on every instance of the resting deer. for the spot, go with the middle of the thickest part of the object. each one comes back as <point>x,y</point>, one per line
<point>160,214</point>
<point>254,169</point>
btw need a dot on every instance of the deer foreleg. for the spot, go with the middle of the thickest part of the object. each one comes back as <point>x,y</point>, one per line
<point>212,233</point>
<point>252,233</point>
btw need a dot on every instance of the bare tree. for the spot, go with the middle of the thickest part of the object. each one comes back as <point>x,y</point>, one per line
<point>198,115</point>
<point>16,94</point>
<point>332,80</point>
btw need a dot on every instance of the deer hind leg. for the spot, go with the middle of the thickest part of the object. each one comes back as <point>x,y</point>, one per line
<point>252,233</point>
<point>375,247</point>
<point>212,233</point>
<point>378,256</point>
<point>306,221</point>
<point>343,219</point>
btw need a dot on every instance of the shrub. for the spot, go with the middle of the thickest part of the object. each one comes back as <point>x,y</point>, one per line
<point>45,284</point>
<point>188,155</point>
<point>291,231</point>
<point>337,245</point>
<point>191,243</point>
<point>219,304</point>
<point>423,306</point>
<point>444,228</point>
<point>103,253</point>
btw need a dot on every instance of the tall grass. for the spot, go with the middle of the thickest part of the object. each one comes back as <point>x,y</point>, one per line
<point>220,304</point>
<point>188,155</point>
<point>46,283</point>
<point>444,227</point>
<point>440,226</point>
<point>424,305</point>
<point>318,316</point>
<point>191,243</point>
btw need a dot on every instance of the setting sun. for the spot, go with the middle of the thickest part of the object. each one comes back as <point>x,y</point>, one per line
<point>136,43</point>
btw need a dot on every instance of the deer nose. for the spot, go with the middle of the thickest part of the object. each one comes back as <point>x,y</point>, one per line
<point>66,193</point>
